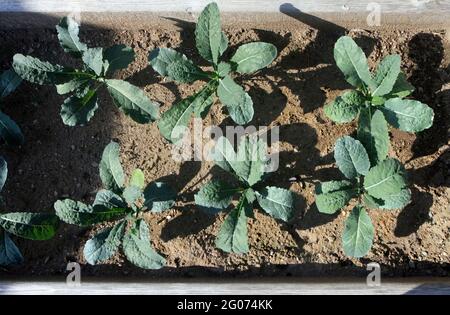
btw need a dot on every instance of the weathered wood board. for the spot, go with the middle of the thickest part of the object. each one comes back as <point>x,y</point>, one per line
<point>388,6</point>
<point>139,13</point>
<point>256,287</point>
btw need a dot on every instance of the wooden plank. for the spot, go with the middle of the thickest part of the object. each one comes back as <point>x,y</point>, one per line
<point>255,286</point>
<point>343,6</point>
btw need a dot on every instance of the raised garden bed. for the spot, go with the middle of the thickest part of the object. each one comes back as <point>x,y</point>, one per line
<point>58,161</point>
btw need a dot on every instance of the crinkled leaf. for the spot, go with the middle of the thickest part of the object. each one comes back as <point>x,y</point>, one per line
<point>357,237</point>
<point>132,101</point>
<point>104,244</point>
<point>402,88</point>
<point>3,172</point>
<point>394,201</point>
<point>9,253</point>
<point>105,198</point>
<point>111,171</point>
<point>183,71</point>
<point>68,30</point>
<point>345,108</point>
<point>41,72</point>
<point>351,157</point>
<point>408,115</point>
<point>162,60</point>
<point>333,196</point>
<point>77,83</point>
<point>374,134</point>
<point>215,196</point>
<point>138,250</point>
<point>10,131</point>
<point>386,75</point>
<point>251,159</point>
<point>202,106</point>
<point>232,236</point>
<point>208,34</point>
<point>9,81</point>
<point>33,226</point>
<point>78,111</point>
<point>378,100</point>
<point>386,178</point>
<point>223,44</point>
<point>253,56</point>
<point>78,213</point>
<point>353,62</point>
<point>159,196</point>
<point>278,202</point>
<point>174,121</point>
<point>372,202</point>
<point>334,185</point>
<point>249,163</point>
<point>137,178</point>
<point>250,195</point>
<point>237,101</point>
<point>131,194</point>
<point>224,155</point>
<point>93,58</point>
<point>117,57</point>
<point>398,200</point>
<point>223,69</point>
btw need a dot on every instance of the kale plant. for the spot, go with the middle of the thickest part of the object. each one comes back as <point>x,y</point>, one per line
<point>99,65</point>
<point>211,43</point>
<point>249,166</point>
<point>124,206</point>
<point>381,186</point>
<point>377,100</point>
<point>32,226</point>
<point>9,130</point>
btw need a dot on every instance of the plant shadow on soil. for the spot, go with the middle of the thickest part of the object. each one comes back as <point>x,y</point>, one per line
<point>428,76</point>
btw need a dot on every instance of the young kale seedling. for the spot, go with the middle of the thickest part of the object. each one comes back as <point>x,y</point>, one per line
<point>249,165</point>
<point>382,186</point>
<point>9,130</point>
<point>377,100</point>
<point>99,64</point>
<point>32,226</point>
<point>124,206</point>
<point>211,43</point>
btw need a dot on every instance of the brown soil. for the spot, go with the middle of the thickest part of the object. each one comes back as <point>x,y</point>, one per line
<point>60,162</point>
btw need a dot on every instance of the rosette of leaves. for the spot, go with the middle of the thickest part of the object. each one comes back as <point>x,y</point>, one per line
<point>378,99</point>
<point>31,226</point>
<point>211,43</point>
<point>383,186</point>
<point>124,206</point>
<point>9,131</point>
<point>83,84</point>
<point>249,166</point>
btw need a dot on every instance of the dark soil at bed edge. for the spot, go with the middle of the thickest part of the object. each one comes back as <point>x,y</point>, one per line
<point>61,162</point>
